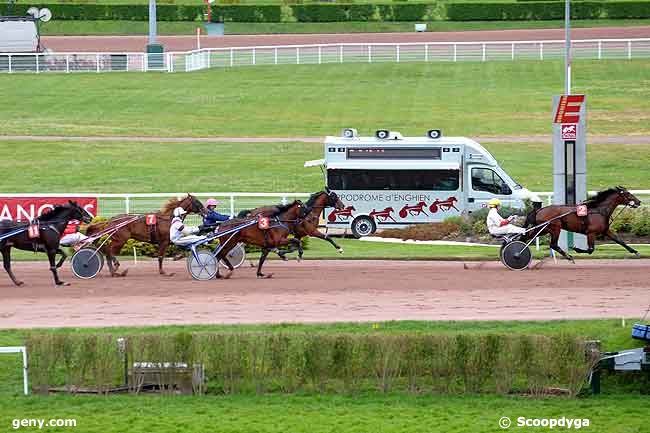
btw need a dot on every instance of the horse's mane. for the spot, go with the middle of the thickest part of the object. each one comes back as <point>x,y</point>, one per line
<point>312,199</point>
<point>54,213</point>
<point>171,204</point>
<point>601,196</point>
<point>284,207</point>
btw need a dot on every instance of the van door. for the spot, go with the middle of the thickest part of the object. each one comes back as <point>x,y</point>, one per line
<point>484,183</point>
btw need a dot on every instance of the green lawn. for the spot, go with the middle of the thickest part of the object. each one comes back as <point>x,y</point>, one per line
<point>108,27</point>
<point>463,99</point>
<point>146,167</point>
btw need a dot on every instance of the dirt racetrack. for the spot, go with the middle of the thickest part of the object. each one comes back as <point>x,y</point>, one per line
<point>185,43</point>
<point>328,291</point>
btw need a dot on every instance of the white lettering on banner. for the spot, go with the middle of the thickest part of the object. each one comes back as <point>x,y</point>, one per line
<point>28,208</point>
<point>387,197</point>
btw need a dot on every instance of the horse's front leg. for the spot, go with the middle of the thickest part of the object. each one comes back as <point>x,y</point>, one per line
<point>51,255</point>
<point>555,237</point>
<point>162,249</point>
<point>265,252</point>
<point>591,245</point>
<point>613,236</point>
<point>320,235</point>
<point>63,257</point>
<point>6,259</point>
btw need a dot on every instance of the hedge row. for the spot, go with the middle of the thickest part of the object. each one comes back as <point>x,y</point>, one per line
<point>240,363</point>
<point>357,12</point>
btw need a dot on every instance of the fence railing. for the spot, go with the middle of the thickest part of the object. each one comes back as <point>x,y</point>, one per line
<point>324,54</point>
<point>231,202</point>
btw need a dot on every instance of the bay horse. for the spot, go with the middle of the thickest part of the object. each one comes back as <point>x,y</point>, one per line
<point>50,227</point>
<point>309,217</point>
<point>282,223</point>
<point>600,209</point>
<point>157,234</point>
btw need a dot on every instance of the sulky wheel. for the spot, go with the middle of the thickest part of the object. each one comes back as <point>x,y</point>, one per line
<point>203,266</point>
<point>86,263</point>
<point>236,256</point>
<point>516,255</point>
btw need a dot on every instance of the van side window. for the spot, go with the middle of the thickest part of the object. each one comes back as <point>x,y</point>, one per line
<point>393,180</point>
<point>484,179</point>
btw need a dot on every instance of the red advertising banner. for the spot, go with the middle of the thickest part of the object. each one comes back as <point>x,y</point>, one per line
<point>27,208</point>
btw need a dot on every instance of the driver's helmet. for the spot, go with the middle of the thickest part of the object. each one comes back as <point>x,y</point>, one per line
<point>495,202</point>
<point>179,212</point>
<point>211,202</point>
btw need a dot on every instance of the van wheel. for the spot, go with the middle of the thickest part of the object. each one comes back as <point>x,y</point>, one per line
<point>363,226</point>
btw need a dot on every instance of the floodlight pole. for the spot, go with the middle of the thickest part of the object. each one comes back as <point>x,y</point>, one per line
<point>152,22</point>
<point>567,49</point>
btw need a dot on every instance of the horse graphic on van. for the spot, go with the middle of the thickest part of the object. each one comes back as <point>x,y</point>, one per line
<point>344,214</point>
<point>444,205</point>
<point>383,215</point>
<point>413,210</point>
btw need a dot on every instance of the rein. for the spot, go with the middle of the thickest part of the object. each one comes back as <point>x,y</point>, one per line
<point>611,220</point>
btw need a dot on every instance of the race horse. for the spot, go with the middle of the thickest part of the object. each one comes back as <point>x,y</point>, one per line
<point>597,221</point>
<point>282,222</point>
<point>307,224</point>
<point>141,230</point>
<point>41,235</point>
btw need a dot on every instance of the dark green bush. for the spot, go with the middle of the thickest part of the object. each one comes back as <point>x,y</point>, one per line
<point>321,363</point>
<point>247,13</point>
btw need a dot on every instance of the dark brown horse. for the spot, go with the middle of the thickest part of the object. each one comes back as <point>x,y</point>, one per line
<point>308,220</point>
<point>48,228</point>
<point>596,222</point>
<point>282,224</point>
<point>156,234</point>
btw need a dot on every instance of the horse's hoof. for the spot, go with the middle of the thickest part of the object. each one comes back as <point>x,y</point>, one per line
<point>228,275</point>
<point>62,283</point>
<point>20,283</point>
<point>284,258</point>
<point>340,250</point>
<point>637,255</point>
<point>123,274</point>
<point>165,274</point>
<point>264,276</point>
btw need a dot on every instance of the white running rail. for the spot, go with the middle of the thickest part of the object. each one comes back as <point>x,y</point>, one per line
<point>596,49</point>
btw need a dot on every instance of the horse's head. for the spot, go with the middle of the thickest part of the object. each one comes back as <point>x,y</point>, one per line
<point>627,198</point>
<point>333,199</point>
<point>79,213</point>
<point>192,204</point>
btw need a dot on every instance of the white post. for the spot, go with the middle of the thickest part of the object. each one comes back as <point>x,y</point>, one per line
<point>397,53</point>
<point>297,56</point>
<point>541,50</point>
<point>9,63</point>
<point>231,56</point>
<point>320,49</point>
<point>232,206</point>
<point>67,63</point>
<point>341,53</point>
<point>369,53</point>
<point>629,50</point>
<point>253,55</point>
<point>275,55</point>
<point>145,60</point>
<point>209,52</point>
<point>97,60</point>
<point>198,38</point>
<point>284,201</point>
<point>426,52</point>
<point>483,52</point>
<point>455,52</point>
<point>127,62</point>
<point>600,50</point>
<point>25,372</point>
<point>37,65</point>
<point>170,62</point>
<point>513,51</point>
<point>127,204</point>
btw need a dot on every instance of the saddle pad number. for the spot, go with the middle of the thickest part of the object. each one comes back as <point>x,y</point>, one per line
<point>264,223</point>
<point>582,210</point>
<point>151,219</point>
<point>34,231</point>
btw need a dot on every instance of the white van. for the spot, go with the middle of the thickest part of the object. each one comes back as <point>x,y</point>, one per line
<point>390,181</point>
<point>18,35</point>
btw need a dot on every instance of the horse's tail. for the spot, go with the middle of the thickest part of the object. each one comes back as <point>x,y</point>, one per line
<point>243,213</point>
<point>531,218</point>
<point>96,227</point>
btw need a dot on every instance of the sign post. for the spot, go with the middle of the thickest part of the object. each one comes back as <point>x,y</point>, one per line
<point>570,158</point>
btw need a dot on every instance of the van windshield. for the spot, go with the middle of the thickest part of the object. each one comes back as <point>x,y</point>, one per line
<point>393,180</point>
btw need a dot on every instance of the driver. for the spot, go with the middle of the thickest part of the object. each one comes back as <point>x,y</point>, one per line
<point>71,236</point>
<point>179,233</point>
<point>212,217</point>
<point>498,226</point>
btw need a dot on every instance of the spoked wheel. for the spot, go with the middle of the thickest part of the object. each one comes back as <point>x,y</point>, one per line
<point>236,256</point>
<point>202,267</point>
<point>516,255</point>
<point>87,263</point>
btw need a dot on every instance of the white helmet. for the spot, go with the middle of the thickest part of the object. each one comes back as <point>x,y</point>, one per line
<point>179,211</point>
